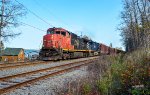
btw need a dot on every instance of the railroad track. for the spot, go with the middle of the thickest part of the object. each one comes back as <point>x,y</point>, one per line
<point>7,64</point>
<point>11,82</point>
<point>16,65</point>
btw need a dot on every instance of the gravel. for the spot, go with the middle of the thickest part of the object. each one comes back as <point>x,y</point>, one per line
<point>35,67</point>
<point>51,85</point>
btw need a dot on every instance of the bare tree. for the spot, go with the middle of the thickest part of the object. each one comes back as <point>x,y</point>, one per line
<point>9,15</point>
<point>135,28</point>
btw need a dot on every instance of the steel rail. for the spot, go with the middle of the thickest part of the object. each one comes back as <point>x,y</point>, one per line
<point>15,63</point>
<point>21,65</point>
<point>28,64</point>
<point>38,71</point>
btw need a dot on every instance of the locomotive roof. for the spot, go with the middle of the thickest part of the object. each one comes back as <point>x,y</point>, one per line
<point>73,34</point>
<point>58,29</point>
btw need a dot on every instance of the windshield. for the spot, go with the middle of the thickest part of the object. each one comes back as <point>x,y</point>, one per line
<point>50,32</point>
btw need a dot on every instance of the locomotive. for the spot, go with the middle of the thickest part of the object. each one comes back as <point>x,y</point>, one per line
<point>59,43</point>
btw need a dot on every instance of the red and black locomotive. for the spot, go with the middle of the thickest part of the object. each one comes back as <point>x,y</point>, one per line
<point>59,43</point>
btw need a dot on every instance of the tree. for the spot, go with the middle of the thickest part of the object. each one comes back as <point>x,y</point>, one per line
<point>135,26</point>
<point>9,15</point>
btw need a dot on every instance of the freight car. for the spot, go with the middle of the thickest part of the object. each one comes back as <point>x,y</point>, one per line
<point>106,50</point>
<point>59,43</point>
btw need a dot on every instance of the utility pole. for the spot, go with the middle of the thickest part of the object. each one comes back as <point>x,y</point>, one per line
<point>110,45</point>
<point>1,23</point>
<point>81,33</point>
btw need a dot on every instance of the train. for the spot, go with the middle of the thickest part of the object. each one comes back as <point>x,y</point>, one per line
<point>60,43</point>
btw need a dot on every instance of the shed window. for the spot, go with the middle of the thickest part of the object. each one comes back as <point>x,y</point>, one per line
<point>63,33</point>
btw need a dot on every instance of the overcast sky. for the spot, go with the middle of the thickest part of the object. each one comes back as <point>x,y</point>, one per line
<point>97,19</point>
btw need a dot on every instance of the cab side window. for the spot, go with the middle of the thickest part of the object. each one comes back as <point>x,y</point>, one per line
<point>68,34</point>
<point>57,32</point>
<point>50,32</point>
<point>63,33</point>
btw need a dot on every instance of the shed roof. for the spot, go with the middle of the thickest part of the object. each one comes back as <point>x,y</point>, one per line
<point>12,51</point>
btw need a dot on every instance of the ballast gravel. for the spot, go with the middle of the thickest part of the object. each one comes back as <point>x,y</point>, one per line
<point>18,70</point>
<point>51,85</point>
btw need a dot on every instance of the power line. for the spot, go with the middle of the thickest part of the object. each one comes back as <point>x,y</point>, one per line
<point>34,28</point>
<point>34,14</point>
<point>44,8</point>
<point>31,26</point>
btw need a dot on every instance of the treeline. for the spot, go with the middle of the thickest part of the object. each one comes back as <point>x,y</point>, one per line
<point>135,26</point>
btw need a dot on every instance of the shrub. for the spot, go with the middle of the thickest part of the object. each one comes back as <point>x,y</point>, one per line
<point>86,89</point>
<point>125,73</point>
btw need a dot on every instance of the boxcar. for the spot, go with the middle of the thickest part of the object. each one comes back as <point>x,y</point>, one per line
<point>104,49</point>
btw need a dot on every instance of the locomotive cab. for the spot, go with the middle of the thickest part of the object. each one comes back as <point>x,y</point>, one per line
<point>57,38</point>
<point>55,42</point>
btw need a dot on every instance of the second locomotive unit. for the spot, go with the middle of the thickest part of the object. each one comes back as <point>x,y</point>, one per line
<point>59,43</point>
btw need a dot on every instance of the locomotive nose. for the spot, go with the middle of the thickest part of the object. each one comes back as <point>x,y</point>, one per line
<point>48,41</point>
